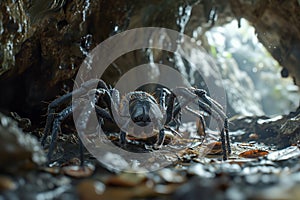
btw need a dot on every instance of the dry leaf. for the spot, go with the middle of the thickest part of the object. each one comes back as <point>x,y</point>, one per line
<point>253,153</point>
<point>126,180</point>
<point>78,171</point>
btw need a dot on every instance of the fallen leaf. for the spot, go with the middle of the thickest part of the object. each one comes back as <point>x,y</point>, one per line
<point>7,183</point>
<point>255,153</point>
<point>126,179</point>
<point>90,189</point>
<point>52,170</point>
<point>78,171</point>
<point>253,136</point>
<point>72,161</point>
<point>215,148</point>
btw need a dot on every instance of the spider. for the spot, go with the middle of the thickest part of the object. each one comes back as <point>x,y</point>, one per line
<point>135,111</point>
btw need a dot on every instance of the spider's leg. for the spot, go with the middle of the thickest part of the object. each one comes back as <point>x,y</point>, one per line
<point>81,153</point>
<point>56,127</point>
<point>210,102</point>
<point>163,95</point>
<point>50,114</point>
<point>227,135</point>
<point>123,137</point>
<point>166,103</point>
<point>113,101</point>
<point>201,118</point>
<point>85,115</point>
<point>161,138</point>
<point>219,119</point>
<point>85,87</point>
<point>170,108</point>
<point>103,113</point>
<point>217,108</point>
<point>81,127</point>
<point>187,97</point>
<point>123,134</point>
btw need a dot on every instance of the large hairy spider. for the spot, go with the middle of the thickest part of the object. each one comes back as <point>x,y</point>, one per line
<point>136,111</point>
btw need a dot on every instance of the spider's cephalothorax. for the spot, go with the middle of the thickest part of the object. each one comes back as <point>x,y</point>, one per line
<point>137,112</point>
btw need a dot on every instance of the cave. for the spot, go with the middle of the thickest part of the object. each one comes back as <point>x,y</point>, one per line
<point>243,56</point>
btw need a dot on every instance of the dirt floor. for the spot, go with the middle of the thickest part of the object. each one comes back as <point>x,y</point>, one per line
<point>182,169</point>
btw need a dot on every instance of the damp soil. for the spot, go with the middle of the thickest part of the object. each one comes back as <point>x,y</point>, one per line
<point>195,170</point>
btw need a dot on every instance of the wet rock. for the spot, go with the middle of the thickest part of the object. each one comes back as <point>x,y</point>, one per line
<point>14,30</point>
<point>291,126</point>
<point>292,152</point>
<point>281,131</point>
<point>198,188</point>
<point>44,42</point>
<point>171,176</point>
<point>24,148</point>
<point>200,170</point>
<point>53,38</point>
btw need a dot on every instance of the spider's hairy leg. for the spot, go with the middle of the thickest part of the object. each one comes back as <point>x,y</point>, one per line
<point>163,95</point>
<point>56,127</point>
<point>220,121</point>
<point>53,121</point>
<point>86,113</point>
<point>112,100</point>
<point>50,114</point>
<point>161,139</point>
<point>84,88</point>
<point>166,102</point>
<point>210,106</point>
<point>215,106</point>
<point>227,135</point>
<point>103,113</point>
<point>123,137</point>
<point>187,96</point>
<point>201,118</point>
<point>170,108</point>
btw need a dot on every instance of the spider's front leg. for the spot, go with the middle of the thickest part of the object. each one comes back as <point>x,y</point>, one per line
<point>213,108</point>
<point>166,103</point>
<point>56,127</point>
<point>206,104</point>
<point>65,99</point>
<point>51,116</point>
<point>55,120</point>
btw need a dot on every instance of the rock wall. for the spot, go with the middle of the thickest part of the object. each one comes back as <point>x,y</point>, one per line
<point>277,24</point>
<point>44,42</point>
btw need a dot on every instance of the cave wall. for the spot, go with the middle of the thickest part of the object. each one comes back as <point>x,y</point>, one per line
<point>277,24</point>
<point>44,42</point>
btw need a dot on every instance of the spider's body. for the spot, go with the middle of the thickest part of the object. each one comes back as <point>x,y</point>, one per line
<point>137,112</point>
<point>141,110</point>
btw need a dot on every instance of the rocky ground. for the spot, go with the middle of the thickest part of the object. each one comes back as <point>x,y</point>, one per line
<point>258,168</point>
